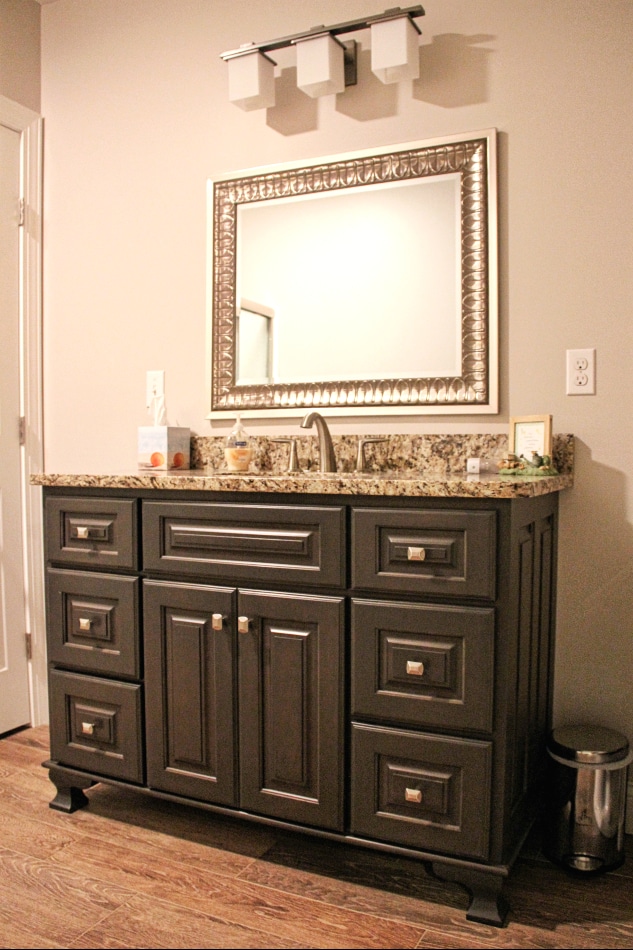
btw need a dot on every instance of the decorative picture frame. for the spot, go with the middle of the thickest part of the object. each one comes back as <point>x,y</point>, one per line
<point>530,434</point>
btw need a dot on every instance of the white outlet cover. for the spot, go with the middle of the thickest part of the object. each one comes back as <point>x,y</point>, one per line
<point>581,372</point>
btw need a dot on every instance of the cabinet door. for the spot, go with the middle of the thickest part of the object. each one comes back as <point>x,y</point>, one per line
<point>190,690</point>
<point>290,719</point>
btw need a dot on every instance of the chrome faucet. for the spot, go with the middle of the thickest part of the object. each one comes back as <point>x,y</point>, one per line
<point>327,459</point>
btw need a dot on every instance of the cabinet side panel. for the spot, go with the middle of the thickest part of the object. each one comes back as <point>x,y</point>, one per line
<point>528,632</point>
<point>522,703</point>
<point>542,640</point>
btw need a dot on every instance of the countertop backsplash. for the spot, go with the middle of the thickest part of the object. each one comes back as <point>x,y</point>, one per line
<point>427,454</point>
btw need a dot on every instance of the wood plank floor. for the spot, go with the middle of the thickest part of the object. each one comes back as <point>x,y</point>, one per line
<point>132,871</point>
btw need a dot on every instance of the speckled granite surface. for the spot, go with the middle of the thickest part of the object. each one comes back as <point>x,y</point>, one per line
<point>422,466</point>
<point>419,454</point>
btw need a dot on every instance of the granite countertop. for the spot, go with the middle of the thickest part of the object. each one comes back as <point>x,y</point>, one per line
<point>407,484</point>
<point>406,465</point>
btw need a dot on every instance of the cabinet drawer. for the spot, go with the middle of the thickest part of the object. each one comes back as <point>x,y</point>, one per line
<point>96,725</point>
<point>299,545</point>
<point>424,665</point>
<point>92,532</point>
<point>424,552</point>
<point>421,791</point>
<point>93,622</point>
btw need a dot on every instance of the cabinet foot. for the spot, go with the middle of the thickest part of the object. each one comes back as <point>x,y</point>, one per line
<point>487,904</point>
<point>70,796</point>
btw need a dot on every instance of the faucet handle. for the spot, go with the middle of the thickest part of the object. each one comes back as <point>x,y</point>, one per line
<point>293,461</point>
<point>361,461</point>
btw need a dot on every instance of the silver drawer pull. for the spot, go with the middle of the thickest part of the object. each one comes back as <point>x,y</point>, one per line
<point>85,623</point>
<point>83,531</point>
<point>242,624</point>
<point>413,795</point>
<point>415,668</point>
<point>87,728</point>
<point>415,554</point>
<point>217,621</point>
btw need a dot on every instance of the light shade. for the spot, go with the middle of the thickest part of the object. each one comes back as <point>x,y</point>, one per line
<point>252,81</point>
<point>395,50</point>
<point>320,65</point>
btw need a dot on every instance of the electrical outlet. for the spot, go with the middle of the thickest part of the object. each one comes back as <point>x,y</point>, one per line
<point>154,385</point>
<point>581,372</point>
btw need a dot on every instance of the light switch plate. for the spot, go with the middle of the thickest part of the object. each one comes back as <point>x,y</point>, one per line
<point>155,385</point>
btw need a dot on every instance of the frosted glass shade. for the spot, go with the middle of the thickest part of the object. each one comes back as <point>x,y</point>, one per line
<point>395,50</point>
<point>320,66</point>
<point>252,81</point>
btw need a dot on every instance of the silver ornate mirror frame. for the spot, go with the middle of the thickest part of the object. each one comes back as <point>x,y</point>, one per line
<point>473,158</point>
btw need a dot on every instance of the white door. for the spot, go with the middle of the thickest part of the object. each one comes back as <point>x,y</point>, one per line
<point>14,681</point>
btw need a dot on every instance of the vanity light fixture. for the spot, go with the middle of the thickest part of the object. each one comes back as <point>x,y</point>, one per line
<point>325,64</point>
<point>394,48</point>
<point>320,65</point>
<point>252,80</point>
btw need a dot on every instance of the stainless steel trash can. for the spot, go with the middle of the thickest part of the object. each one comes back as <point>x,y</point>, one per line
<point>584,821</point>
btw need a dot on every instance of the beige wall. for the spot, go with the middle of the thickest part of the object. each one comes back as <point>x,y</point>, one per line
<point>20,52</point>
<point>134,97</point>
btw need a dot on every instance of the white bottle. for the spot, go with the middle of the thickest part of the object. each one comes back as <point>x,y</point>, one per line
<point>238,451</point>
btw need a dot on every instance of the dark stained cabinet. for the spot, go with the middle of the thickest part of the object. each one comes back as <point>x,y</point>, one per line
<point>291,713</point>
<point>377,670</point>
<point>190,690</point>
<point>250,679</point>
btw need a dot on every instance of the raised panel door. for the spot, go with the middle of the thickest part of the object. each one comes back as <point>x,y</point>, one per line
<point>290,708</point>
<point>190,690</point>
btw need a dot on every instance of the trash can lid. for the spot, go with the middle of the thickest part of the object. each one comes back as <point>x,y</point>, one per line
<point>593,745</point>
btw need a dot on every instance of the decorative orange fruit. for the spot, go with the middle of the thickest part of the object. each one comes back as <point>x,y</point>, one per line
<point>179,460</point>
<point>157,459</point>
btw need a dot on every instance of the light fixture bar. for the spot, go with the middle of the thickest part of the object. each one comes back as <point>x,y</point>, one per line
<point>338,28</point>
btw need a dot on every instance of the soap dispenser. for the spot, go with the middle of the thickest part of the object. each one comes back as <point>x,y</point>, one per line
<point>238,451</point>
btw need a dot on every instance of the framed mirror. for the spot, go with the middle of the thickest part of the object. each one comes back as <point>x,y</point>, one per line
<point>362,284</point>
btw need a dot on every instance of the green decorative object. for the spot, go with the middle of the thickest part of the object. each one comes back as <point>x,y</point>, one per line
<point>519,465</point>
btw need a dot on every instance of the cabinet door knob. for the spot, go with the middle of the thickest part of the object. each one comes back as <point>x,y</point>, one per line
<point>242,624</point>
<point>85,623</point>
<point>415,668</point>
<point>87,728</point>
<point>217,621</point>
<point>413,795</point>
<point>82,531</point>
<point>415,554</point>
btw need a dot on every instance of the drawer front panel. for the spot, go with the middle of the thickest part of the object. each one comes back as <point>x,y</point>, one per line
<point>96,725</point>
<point>423,665</point>
<point>424,552</point>
<point>92,532</point>
<point>93,622</point>
<point>301,545</point>
<point>421,791</point>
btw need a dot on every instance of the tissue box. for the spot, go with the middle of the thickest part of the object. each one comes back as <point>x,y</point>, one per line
<point>163,447</point>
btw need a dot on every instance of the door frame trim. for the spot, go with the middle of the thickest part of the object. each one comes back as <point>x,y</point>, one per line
<point>30,127</point>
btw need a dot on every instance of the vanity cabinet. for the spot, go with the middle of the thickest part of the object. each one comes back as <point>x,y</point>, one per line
<point>244,700</point>
<point>373,669</point>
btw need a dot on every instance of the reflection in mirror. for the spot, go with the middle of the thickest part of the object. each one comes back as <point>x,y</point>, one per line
<point>254,331</point>
<point>380,271</point>
<point>303,256</point>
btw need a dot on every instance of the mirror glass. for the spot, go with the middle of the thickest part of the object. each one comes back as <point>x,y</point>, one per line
<point>362,282</point>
